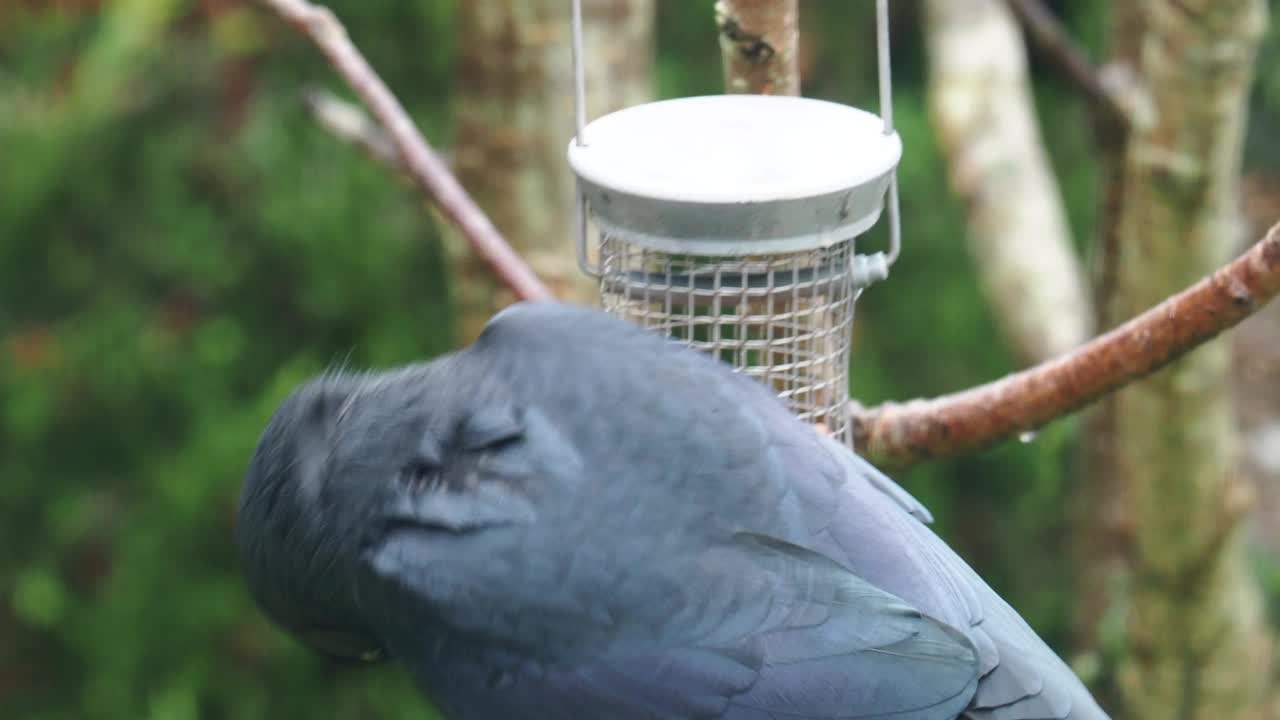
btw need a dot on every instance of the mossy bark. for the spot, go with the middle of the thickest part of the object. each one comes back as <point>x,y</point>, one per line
<point>1191,636</point>
<point>981,106</point>
<point>515,120</point>
<point>760,46</point>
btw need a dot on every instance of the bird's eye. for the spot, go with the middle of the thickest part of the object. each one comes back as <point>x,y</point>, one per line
<point>420,476</point>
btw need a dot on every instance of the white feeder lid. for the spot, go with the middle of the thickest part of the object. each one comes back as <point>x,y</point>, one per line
<point>736,174</point>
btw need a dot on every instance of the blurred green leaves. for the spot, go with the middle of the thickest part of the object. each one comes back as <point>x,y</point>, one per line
<point>39,598</point>
<point>179,247</point>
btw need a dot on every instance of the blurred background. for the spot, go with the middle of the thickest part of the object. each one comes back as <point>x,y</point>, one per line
<point>182,241</point>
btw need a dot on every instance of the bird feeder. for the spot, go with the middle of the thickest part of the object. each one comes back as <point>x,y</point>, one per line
<point>730,222</point>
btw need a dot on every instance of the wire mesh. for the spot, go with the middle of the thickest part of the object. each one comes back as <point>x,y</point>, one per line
<point>783,318</point>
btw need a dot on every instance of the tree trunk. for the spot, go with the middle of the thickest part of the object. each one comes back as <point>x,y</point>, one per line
<point>1104,516</point>
<point>983,111</point>
<point>515,121</point>
<point>1195,641</point>
<point>759,46</point>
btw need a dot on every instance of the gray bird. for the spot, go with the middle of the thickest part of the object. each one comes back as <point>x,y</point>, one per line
<point>577,518</point>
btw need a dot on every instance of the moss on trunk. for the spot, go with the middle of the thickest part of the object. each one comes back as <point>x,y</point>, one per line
<point>1195,642</point>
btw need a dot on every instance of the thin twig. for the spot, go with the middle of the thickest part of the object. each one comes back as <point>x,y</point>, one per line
<point>423,165</point>
<point>1050,36</point>
<point>902,433</point>
<point>348,122</point>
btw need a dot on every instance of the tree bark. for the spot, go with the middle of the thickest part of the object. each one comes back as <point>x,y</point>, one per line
<point>983,111</point>
<point>1195,641</point>
<point>759,46</point>
<point>1103,516</point>
<point>515,120</point>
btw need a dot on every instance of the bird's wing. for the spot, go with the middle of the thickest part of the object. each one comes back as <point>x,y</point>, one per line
<point>727,448</point>
<point>762,629</point>
<point>854,465</point>
<point>1022,678</point>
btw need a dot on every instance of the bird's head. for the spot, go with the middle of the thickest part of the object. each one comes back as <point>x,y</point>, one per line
<point>320,476</point>
<point>349,468</point>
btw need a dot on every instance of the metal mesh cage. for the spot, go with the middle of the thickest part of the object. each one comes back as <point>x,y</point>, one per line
<point>782,318</point>
<point>729,222</point>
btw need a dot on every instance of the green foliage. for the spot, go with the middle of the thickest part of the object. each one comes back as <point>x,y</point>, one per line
<point>172,261</point>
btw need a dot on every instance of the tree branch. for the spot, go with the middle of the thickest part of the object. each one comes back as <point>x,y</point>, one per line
<point>1051,37</point>
<point>759,46</point>
<point>902,433</point>
<point>349,123</point>
<point>420,161</point>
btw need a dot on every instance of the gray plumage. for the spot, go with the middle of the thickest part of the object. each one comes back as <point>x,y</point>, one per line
<point>577,518</point>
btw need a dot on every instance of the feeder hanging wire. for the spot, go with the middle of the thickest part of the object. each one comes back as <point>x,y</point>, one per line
<point>580,119</point>
<point>886,114</point>
<point>868,269</point>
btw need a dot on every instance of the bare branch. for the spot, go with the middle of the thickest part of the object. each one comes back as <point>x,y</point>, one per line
<point>759,44</point>
<point>428,171</point>
<point>1051,37</point>
<point>349,123</point>
<point>901,433</point>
